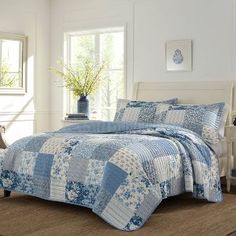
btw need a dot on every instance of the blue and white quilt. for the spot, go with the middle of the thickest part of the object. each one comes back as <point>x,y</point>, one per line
<point>122,171</point>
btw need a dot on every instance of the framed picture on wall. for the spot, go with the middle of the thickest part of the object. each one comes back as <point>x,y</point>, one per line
<point>179,55</point>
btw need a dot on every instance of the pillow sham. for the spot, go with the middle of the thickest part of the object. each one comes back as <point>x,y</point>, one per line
<point>205,120</point>
<point>140,113</point>
<point>123,103</point>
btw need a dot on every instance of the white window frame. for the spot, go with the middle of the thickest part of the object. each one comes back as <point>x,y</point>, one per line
<point>68,103</point>
<point>23,57</point>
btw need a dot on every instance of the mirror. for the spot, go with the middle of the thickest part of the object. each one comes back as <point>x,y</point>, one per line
<point>12,63</point>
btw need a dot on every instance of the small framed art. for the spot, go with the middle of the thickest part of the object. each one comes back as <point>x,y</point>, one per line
<point>179,55</point>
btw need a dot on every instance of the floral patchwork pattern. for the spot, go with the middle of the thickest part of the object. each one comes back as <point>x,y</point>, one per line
<point>122,171</point>
<point>18,182</point>
<point>139,111</point>
<point>205,120</point>
<point>123,103</point>
<point>28,160</point>
<point>60,166</point>
<point>95,172</point>
<point>53,146</point>
<point>61,161</point>
<point>133,197</point>
<point>126,159</point>
<point>81,194</point>
<point>145,114</point>
<point>136,221</point>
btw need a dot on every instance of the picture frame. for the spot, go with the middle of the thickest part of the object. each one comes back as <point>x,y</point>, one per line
<point>179,55</point>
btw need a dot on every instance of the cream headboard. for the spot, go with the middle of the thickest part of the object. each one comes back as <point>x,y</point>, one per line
<point>200,92</point>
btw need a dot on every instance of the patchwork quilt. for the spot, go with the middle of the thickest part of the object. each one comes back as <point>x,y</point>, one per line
<point>122,171</point>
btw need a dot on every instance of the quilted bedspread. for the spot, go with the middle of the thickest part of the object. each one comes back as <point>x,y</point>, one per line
<point>122,171</point>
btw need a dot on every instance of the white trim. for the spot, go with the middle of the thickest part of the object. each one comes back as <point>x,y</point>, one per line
<point>21,90</point>
<point>19,116</point>
<point>96,31</point>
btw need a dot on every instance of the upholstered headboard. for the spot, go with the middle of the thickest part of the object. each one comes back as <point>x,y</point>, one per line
<point>197,92</point>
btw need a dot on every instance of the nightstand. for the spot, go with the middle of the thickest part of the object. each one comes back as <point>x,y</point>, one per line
<point>73,122</point>
<point>2,142</point>
<point>230,132</point>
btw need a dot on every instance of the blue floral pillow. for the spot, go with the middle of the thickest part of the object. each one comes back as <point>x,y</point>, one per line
<point>128,110</point>
<point>145,114</point>
<point>148,104</point>
<point>202,119</point>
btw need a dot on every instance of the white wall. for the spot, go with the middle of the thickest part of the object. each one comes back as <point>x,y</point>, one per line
<point>210,24</point>
<point>25,114</point>
<point>74,15</point>
<point>150,23</point>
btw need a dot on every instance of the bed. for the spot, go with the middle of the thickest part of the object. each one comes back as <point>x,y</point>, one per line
<point>121,170</point>
<point>192,92</point>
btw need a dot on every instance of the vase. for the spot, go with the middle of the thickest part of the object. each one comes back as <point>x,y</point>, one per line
<point>83,105</point>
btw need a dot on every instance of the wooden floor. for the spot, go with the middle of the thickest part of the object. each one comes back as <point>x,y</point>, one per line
<point>182,215</point>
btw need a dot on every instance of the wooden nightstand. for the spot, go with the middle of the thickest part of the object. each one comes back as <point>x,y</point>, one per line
<point>230,138</point>
<point>73,122</point>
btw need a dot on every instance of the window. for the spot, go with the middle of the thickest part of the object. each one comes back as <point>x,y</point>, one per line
<point>12,63</point>
<point>100,45</point>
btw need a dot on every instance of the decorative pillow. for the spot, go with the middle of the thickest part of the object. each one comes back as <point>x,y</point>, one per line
<point>141,114</point>
<point>202,119</point>
<point>124,103</point>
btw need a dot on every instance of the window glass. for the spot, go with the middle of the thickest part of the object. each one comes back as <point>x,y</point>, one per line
<point>81,46</point>
<point>112,49</point>
<point>12,63</point>
<point>101,46</point>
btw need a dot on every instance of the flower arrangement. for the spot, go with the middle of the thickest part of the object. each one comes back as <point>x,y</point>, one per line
<point>82,79</point>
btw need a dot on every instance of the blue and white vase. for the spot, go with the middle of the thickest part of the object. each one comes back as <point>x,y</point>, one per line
<point>83,105</point>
